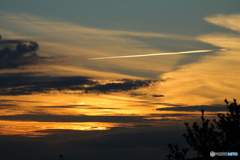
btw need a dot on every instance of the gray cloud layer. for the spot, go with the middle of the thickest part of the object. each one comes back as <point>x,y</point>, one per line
<point>26,83</point>
<point>70,118</point>
<point>195,108</point>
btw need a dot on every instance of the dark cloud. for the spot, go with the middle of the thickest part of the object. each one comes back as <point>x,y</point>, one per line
<point>126,85</point>
<point>15,53</point>
<point>4,106</point>
<point>157,95</point>
<point>169,104</point>
<point>12,101</point>
<point>137,94</point>
<point>195,108</point>
<point>28,83</point>
<point>81,118</point>
<point>7,104</point>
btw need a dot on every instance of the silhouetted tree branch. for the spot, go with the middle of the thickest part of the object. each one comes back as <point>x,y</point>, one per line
<point>175,153</point>
<point>222,135</point>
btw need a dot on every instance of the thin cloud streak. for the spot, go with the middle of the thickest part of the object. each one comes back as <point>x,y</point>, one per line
<point>154,54</point>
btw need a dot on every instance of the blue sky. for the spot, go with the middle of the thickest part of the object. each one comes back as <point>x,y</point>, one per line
<point>181,21</point>
<point>179,17</point>
<point>53,96</point>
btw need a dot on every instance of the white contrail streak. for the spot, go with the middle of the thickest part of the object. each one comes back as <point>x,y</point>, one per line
<point>154,54</point>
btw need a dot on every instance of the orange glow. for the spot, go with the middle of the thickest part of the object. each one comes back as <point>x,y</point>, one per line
<point>206,81</point>
<point>73,104</point>
<point>78,105</point>
<point>31,128</point>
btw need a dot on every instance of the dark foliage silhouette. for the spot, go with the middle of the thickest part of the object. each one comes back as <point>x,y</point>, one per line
<point>220,135</point>
<point>175,153</point>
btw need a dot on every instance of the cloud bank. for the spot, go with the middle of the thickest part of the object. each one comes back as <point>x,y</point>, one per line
<point>15,53</point>
<point>27,83</point>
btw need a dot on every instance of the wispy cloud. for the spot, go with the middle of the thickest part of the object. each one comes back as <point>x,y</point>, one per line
<point>214,77</point>
<point>87,39</point>
<point>231,21</point>
<point>60,38</point>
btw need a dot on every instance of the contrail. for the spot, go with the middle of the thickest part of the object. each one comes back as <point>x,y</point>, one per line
<point>154,54</point>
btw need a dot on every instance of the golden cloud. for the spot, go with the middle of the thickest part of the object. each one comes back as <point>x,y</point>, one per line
<point>231,21</point>
<point>213,78</point>
<point>59,38</point>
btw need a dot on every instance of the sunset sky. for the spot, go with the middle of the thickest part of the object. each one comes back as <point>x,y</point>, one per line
<point>59,95</point>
